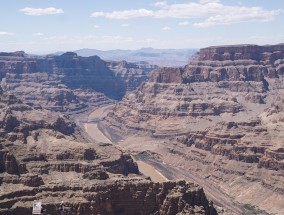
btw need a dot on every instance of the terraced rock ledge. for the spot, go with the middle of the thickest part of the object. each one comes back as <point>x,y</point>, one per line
<point>45,156</point>
<point>219,119</point>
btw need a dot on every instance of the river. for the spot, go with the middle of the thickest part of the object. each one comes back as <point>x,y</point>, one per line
<point>150,169</point>
<point>91,127</point>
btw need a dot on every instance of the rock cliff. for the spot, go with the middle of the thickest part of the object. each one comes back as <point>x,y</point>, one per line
<point>120,196</point>
<point>66,83</point>
<point>19,120</point>
<point>219,117</point>
<point>133,74</point>
<point>242,52</point>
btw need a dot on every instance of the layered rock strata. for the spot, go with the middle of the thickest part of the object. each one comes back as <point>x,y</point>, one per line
<point>89,178</point>
<point>119,196</point>
<point>220,117</point>
<point>133,74</point>
<point>44,156</point>
<point>65,83</point>
<point>18,120</point>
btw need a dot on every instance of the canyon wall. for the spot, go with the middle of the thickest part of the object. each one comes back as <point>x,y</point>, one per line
<point>45,156</point>
<point>69,83</point>
<point>219,117</point>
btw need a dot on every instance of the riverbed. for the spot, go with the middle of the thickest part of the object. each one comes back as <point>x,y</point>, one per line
<point>91,127</point>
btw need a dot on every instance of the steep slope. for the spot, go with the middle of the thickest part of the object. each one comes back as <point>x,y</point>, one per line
<point>133,74</point>
<point>219,118</point>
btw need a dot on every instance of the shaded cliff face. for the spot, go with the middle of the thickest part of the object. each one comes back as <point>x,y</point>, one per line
<point>71,70</point>
<point>220,117</point>
<point>167,75</point>
<point>133,74</point>
<point>65,83</point>
<point>86,73</point>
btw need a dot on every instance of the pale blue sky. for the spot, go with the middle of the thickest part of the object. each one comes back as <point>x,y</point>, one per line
<point>43,26</point>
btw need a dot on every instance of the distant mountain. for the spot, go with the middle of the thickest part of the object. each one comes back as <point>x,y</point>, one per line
<point>160,57</point>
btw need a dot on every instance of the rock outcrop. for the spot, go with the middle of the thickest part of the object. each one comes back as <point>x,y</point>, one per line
<point>132,74</point>
<point>220,117</point>
<point>120,196</point>
<point>19,120</point>
<point>242,52</point>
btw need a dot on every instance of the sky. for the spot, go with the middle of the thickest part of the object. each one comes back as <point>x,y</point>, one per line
<point>46,26</point>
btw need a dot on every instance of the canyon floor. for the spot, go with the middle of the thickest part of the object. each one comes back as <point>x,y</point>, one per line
<point>148,165</point>
<point>90,124</point>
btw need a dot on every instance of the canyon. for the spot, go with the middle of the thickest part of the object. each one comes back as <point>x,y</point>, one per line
<point>217,121</point>
<point>73,127</point>
<point>47,155</point>
<point>69,83</point>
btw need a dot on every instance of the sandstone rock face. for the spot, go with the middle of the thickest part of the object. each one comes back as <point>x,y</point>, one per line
<point>242,52</point>
<point>66,83</point>
<point>167,75</point>
<point>220,117</point>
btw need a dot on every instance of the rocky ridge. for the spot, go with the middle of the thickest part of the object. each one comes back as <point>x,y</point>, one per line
<point>69,83</point>
<point>221,114</point>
